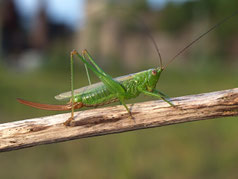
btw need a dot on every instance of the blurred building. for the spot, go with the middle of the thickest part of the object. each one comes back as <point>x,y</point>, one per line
<point>109,37</point>
<point>24,46</point>
<point>111,33</point>
<point>12,32</point>
<point>106,33</point>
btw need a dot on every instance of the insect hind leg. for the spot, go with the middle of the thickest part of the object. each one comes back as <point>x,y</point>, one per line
<point>86,55</point>
<point>76,105</point>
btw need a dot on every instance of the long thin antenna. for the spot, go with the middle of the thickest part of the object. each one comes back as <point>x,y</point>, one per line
<point>199,37</point>
<point>148,33</point>
<point>145,28</point>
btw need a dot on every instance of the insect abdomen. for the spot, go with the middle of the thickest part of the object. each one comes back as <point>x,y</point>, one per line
<point>101,95</point>
<point>97,97</point>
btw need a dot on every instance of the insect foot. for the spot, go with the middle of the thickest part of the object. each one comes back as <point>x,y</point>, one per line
<point>76,105</point>
<point>68,122</point>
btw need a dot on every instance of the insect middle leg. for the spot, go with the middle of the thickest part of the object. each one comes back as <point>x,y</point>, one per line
<point>122,101</point>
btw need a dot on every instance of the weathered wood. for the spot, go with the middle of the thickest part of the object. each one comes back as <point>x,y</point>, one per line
<point>101,121</point>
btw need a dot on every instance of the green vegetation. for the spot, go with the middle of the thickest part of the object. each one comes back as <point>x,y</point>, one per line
<point>204,149</point>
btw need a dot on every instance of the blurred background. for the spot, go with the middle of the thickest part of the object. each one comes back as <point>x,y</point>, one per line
<point>36,37</point>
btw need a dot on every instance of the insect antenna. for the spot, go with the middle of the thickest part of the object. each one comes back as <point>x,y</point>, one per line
<point>146,30</point>
<point>199,37</point>
<point>149,34</point>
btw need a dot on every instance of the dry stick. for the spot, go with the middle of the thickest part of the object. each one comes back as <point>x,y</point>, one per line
<point>101,121</point>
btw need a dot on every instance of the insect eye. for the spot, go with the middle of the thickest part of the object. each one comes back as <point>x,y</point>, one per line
<point>154,72</point>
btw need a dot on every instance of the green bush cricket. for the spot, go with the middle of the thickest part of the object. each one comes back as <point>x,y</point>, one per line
<point>111,90</point>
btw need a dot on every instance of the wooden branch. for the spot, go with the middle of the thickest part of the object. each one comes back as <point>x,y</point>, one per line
<point>101,121</point>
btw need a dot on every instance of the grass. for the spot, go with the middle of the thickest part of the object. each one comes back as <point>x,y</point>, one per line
<point>205,149</point>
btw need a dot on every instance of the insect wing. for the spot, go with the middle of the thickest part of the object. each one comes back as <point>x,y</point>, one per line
<point>67,95</point>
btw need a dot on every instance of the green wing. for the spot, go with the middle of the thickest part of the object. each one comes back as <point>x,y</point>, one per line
<point>67,95</point>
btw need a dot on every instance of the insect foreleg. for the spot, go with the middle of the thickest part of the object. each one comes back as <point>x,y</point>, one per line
<point>164,97</point>
<point>158,94</point>
<point>161,93</point>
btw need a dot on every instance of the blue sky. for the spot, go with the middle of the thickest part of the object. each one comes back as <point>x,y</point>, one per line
<point>68,12</point>
<point>158,4</point>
